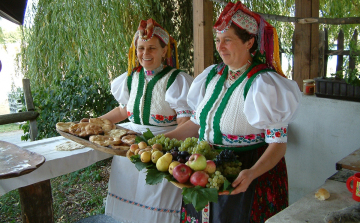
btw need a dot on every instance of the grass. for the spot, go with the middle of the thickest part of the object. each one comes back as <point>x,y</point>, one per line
<point>9,127</point>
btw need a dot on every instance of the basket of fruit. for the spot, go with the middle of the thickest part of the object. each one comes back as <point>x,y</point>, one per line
<point>195,167</point>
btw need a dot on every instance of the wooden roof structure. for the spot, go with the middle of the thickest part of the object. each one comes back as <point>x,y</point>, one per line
<point>305,42</point>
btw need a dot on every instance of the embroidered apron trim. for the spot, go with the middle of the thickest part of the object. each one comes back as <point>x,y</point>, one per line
<point>144,206</point>
<point>148,93</point>
<point>223,103</point>
<point>204,113</point>
<point>139,93</point>
<point>172,78</point>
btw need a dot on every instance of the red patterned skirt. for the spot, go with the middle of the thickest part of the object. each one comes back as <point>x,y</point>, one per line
<point>266,196</point>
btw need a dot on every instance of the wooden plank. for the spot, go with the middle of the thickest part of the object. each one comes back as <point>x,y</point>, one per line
<point>352,59</point>
<point>16,161</point>
<point>203,36</point>
<point>322,72</point>
<point>314,41</point>
<point>350,162</point>
<point>36,203</point>
<point>30,107</point>
<point>302,43</point>
<point>340,46</point>
<point>326,48</point>
<point>18,117</point>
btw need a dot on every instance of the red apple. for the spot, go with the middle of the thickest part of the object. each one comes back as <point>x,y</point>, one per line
<point>197,162</point>
<point>182,173</point>
<point>199,178</point>
<point>210,167</point>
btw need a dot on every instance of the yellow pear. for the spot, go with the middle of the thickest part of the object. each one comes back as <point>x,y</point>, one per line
<point>173,164</point>
<point>155,156</point>
<point>145,157</point>
<point>163,162</point>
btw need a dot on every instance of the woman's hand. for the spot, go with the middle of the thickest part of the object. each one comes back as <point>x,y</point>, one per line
<point>241,183</point>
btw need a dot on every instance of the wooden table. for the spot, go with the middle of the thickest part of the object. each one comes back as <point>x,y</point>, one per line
<point>35,188</point>
<point>350,162</point>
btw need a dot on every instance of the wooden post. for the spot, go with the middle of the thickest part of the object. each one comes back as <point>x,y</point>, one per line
<point>322,72</point>
<point>30,107</point>
<point>340,48</point>
<point>36,203</point>
<point>306,42</point>
<point>326,51</point>
<point>203,36</point>
<point>353,58</point>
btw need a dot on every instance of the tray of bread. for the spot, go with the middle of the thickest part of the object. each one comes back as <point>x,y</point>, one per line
<point>99,134</point>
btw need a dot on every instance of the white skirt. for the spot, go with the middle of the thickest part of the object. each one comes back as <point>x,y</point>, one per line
<point>131,200</point>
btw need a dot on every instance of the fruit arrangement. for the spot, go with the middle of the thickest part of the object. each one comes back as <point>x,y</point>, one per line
<point>194,166</point>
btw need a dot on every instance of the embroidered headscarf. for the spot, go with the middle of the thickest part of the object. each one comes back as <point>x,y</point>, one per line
<point>254,24</point>
<point>146,30</point>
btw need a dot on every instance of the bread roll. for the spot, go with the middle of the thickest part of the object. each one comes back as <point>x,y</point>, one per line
<point>322,194</point>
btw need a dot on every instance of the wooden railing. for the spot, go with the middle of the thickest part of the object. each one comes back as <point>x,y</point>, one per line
<point>340,52</point>
<point>29,115</point>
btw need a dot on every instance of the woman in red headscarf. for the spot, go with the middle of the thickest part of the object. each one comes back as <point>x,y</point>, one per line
<point>152,94</point>
<point>244,104</point>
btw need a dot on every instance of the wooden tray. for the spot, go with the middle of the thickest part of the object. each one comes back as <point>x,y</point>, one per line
<point>181,186</point>
<point>92,145</point>
<point>16,161</point>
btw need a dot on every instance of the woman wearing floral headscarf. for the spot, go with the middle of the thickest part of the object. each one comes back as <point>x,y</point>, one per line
<point>244,104</point>
<point>152,95</point>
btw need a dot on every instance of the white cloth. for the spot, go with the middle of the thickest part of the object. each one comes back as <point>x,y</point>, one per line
<point>57,163</point>
<point>176,95</point>
<point>157,203</point>
<point>271,102</point>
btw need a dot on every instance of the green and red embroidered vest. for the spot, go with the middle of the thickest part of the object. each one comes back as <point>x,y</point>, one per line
<point>147,105</point>
<point>220,114</point>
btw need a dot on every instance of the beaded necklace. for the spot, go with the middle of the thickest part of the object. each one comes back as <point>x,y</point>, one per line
<point>155,71</point>
<point>234,74</point>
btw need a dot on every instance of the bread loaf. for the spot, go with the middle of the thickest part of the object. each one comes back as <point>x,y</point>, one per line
<point>322,194</point>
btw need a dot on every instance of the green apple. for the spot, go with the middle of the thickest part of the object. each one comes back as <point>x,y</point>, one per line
<point>197,162</point>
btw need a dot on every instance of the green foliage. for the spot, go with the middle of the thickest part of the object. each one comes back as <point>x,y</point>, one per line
<point>74,49</point>
<point>339,9</point>
<point>69,99</point>
<point>199,196</point>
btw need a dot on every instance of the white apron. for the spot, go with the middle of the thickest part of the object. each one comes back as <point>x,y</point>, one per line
<point>131,200</point>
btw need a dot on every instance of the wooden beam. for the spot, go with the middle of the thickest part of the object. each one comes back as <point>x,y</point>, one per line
<point>203,36</point>
<point>30,107</point>
<point>18,117</point>
<point>314,41</point>
<point>306,42</point>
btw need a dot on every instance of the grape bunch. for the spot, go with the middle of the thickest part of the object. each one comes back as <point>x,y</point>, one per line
<point>216,180</point>
<point>181,156</point>
<point>189,144</point>
<point>167,143</point>
<point>227,163</point>
<point>205,149</point>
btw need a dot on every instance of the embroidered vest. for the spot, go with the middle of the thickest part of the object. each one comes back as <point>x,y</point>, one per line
<point>220,114</point>
<point>147,105</point>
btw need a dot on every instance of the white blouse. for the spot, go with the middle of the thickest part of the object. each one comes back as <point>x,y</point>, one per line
<point>176,95</point>
<point>271,102</point>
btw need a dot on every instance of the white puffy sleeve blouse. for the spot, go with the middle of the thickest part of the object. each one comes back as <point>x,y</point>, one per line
<point>176,95</point>
<point>262,112</point>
